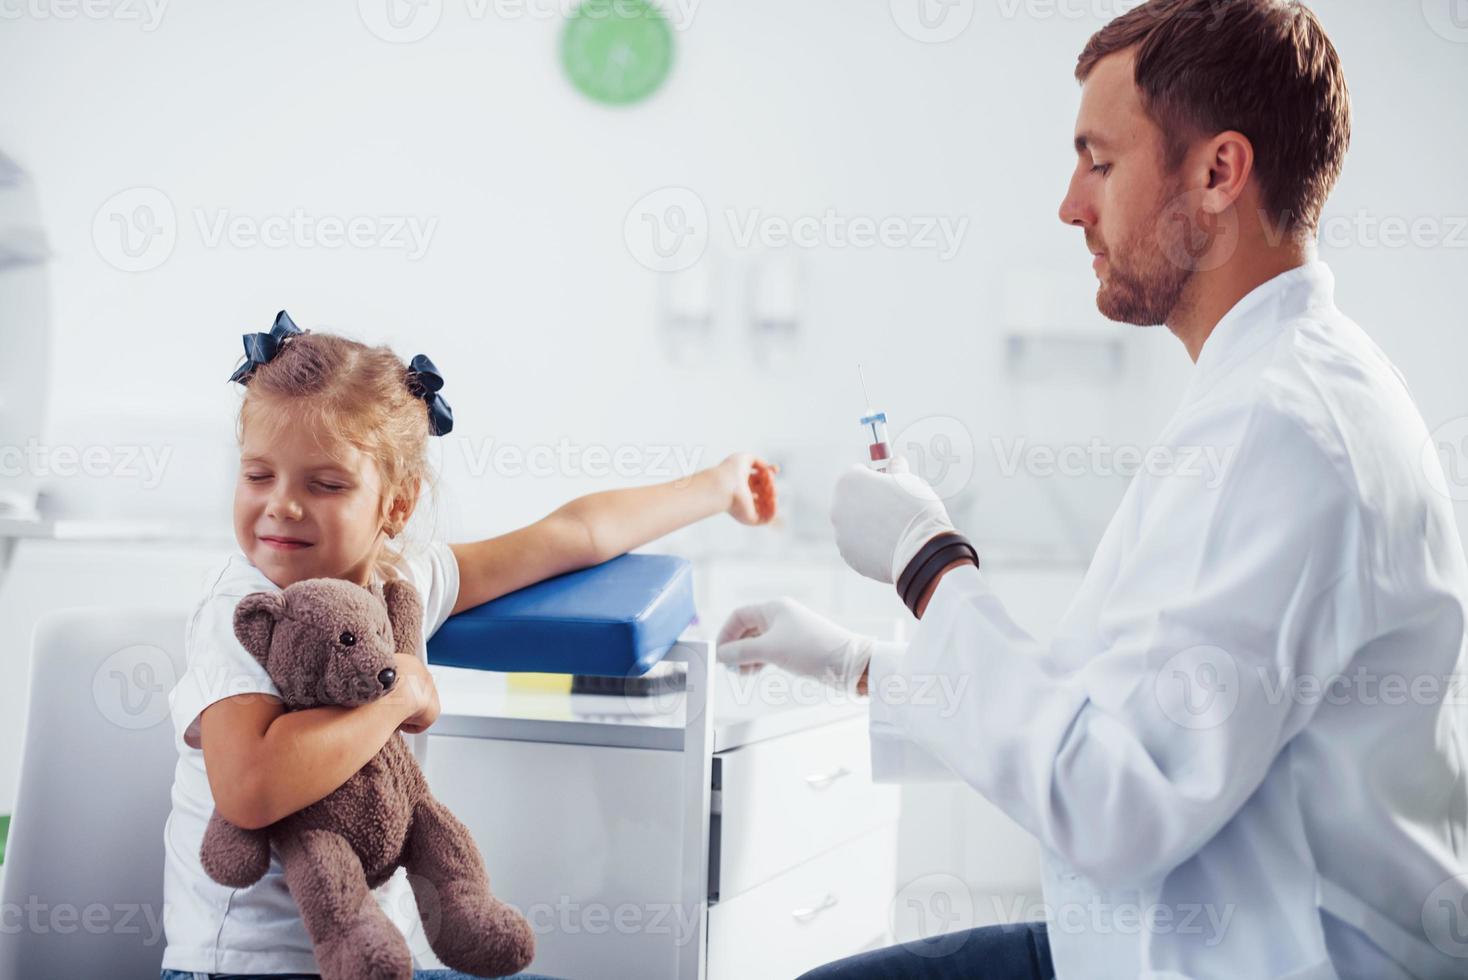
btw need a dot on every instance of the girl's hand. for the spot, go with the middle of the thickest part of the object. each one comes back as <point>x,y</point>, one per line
<point>420,695</point>
<point>751,484</point>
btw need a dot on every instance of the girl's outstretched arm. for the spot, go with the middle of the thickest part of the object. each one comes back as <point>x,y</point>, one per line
<point>600,526</point>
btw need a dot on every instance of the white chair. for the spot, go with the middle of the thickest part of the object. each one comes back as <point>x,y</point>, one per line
<point>83,871</point>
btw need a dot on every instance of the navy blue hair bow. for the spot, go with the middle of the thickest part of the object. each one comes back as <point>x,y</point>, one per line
<point>260,348</point>
<point>424,381</point>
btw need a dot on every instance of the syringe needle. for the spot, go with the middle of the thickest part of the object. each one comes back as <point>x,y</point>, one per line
<point>863,375</point>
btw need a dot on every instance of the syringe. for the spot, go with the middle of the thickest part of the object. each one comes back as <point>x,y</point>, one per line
<point>876,423</point>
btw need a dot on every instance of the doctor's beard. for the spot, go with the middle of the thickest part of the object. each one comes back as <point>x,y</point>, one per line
<point>1144,284</point>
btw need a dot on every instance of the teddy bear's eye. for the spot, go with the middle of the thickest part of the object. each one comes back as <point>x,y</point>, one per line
<point>348,638</point>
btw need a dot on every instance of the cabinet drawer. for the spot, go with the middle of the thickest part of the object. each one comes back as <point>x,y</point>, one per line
<point>832,906</point>
<point>786,800</point>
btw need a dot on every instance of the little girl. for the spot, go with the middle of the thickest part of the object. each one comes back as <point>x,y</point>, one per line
<point>333,437</point>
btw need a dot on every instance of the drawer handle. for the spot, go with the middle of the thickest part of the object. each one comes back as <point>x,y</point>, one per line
<point>805,915</point>
<point>820,780</point>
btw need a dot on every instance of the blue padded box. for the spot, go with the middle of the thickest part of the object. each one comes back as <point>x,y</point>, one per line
<point>615,619</point>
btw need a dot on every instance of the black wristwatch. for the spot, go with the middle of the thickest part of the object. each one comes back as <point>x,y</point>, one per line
<point>940,552</point>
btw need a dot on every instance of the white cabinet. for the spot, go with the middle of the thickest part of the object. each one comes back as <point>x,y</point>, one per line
<point>833,905</point>
<point>642,845</point>
<point>784,800</point>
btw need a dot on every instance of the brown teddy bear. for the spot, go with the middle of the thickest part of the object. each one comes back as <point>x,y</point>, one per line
<point>329,641</point>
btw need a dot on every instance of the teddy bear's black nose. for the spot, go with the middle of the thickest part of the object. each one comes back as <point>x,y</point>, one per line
<point>386,676</point>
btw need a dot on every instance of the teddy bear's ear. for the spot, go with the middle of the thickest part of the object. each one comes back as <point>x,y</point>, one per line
<point>405,612</point>
<point>254,621</point>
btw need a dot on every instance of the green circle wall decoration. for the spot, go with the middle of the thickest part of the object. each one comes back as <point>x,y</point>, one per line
<point>617,52</point>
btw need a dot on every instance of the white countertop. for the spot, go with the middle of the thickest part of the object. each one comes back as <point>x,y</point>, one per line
<point>747,708</point>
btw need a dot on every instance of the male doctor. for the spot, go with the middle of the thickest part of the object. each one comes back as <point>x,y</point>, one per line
<point>1249,708</point>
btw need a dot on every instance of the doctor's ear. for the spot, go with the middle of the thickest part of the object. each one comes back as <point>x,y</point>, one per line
<point>1229,163</point>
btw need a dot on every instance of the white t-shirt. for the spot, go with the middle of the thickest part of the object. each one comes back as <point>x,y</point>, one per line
<point>211,927</point>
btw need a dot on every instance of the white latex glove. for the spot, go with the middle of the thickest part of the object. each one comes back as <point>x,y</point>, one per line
<point>789,635</point>
<point>883,519</point>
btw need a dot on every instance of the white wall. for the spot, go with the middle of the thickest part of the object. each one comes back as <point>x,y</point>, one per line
<point>529,297</point>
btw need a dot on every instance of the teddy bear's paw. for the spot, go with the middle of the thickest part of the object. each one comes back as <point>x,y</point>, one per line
<point>233,872</point>
<point>483,936</point>
<point>232,855</point>
<point>374,949</point>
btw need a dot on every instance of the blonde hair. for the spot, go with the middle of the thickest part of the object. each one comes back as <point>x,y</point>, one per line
<point>351,394</point>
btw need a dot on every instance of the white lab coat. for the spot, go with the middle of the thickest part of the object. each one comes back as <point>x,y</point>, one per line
<point>1224,779</point>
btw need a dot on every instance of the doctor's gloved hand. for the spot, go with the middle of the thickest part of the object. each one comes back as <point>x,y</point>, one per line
<point>789,635</point>
<point>882,520</point>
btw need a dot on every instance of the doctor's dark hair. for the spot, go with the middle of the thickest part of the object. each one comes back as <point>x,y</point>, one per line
<point>1264,68</point>
<point>349,394</point>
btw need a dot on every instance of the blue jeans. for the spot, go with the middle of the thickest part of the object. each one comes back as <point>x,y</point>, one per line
<point>1009,952</point>
<point>417,975</point>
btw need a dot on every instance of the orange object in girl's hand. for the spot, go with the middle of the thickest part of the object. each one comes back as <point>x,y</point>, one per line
<point>750,482</point>
<point>762,486</point>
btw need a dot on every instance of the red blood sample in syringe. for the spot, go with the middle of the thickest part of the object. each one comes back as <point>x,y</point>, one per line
<point>875,423</point>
